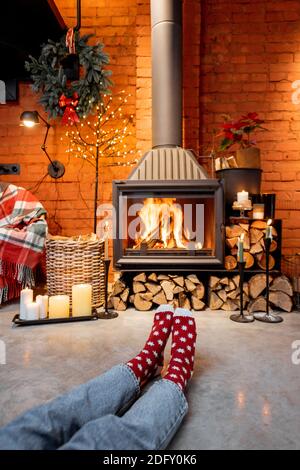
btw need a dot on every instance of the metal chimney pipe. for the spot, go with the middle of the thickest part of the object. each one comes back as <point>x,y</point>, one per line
<point>166,20</point>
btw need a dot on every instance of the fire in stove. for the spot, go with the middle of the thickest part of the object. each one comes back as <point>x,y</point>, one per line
<point>163,226</point>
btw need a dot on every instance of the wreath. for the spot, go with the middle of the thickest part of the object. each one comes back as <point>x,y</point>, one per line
<point>60,96</point>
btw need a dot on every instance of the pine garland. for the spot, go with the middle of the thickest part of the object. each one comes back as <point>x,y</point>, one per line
<point>50,80</point>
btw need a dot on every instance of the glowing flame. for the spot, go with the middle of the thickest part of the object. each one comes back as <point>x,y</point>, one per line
<point>162,224</point>
<point>269,222</point>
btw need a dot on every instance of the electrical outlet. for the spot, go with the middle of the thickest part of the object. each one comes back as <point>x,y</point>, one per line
<point>10,169</point>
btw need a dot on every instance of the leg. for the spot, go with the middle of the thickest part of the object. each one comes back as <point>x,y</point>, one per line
<point>50,425</point>
<point>154,419</point>
<point>149,424</point>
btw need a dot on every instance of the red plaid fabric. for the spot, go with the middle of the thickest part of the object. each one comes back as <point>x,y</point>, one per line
<point>22,238</point>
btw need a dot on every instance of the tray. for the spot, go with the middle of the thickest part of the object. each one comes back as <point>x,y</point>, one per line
<point>16,320</point>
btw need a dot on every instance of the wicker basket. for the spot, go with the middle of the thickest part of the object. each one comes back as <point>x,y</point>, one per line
<point>75,261</point>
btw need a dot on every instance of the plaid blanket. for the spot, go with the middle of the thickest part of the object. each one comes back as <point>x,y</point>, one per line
<point>23,232</point>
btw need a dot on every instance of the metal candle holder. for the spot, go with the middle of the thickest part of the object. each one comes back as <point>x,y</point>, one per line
<point>241,317</point>
<point>107,314</point>
<point>268,317</point>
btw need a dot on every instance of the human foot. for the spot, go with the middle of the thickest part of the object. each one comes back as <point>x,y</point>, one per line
<point>145,364</point>
<point>180,368</point>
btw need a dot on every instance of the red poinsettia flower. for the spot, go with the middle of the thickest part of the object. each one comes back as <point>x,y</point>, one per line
<point>238,132</point>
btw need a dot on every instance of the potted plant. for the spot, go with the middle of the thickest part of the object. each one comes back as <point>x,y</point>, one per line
<point>240,134</point>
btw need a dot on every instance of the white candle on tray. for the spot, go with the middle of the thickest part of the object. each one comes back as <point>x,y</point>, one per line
<point>26,296</point>
<point>59,306</point>
<point>81,300</point>
<point>43,301</point>
<point>242,196</point>
<point>32,311</point>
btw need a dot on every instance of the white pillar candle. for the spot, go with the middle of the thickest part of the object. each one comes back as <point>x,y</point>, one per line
<point>26,296</point>
<point>81,300</point>
<point>59,306</point>
<point>242,196</point>
<point>32,311</point>
<point>42,301</point>
<point>258,211</point>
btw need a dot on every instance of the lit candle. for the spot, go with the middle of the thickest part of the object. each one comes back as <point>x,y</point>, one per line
<point>106,228</point>
<point>269,229</point>
<point>258,211</point>
<point>42,301</point>
<point>59,306</point>
<point>26,297</point>
<point>32,311</point>
<point>242,196</point>
<point>81,300</point>
<point>241,249</point>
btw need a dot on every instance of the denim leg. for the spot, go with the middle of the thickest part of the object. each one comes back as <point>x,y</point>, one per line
<point>52,424</point>
<point>149,424</point>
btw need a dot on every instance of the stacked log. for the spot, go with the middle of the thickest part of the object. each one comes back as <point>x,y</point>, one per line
<point>149,291</point>
<point>224,293</point>
<point>254,245</point>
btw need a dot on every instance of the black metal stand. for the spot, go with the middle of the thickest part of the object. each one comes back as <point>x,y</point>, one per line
<point>107,314</point>
<point>268,317</point>
<point>241,317</point>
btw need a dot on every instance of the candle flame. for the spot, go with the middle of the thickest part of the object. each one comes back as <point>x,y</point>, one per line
<point>242,237</point>
<point>106,226</point>
<point>269,222</point>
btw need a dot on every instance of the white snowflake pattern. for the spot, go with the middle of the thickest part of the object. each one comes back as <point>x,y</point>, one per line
<point>140,367</point>
<point>168,317</point>
<point>176,333</point>
<point>138,358</point>
<point>160,342</point>
<point>188,348</point>
<point>165,330</point>
<point>173,345</point>
<point>149,361</point>
<point>184,370</point>
<point>145,351</point>
<point>180,350</point>
<point>175,368</point>
<point>190,335</point>
<point>129,364</point>
<point>183,340</point>
<point>156,333</point>
<point>161,322</point>
<point>176,359</point>
<point>192,358</point>
<point>174,376</point>
<point>157,317</point>
<point>190,322</point>
<point>177,321</point>
<point>187,360</point>
<point>150,343</point>
<point>155,353</point>
<point>184,327</point>
<point>182,378</point>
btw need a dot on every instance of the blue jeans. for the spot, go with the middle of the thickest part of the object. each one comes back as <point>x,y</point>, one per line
<point>103,414</point>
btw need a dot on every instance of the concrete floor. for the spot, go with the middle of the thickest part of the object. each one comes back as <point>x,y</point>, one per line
<point>244,394</point>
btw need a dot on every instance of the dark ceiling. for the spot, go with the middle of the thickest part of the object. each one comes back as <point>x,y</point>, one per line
<point>24,26</point>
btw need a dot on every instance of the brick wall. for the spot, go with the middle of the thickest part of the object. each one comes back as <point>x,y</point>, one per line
<point>250,58</point>
<point>239,55</point>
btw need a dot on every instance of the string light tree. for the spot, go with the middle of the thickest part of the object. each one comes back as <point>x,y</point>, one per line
<point>103,139</point>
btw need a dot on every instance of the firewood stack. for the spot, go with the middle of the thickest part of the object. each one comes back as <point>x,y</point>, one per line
<point>224,293</point>
<point>149,291</point>
<point>254,245</point>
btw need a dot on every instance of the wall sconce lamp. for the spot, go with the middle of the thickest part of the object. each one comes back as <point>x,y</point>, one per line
<point>30,119</point>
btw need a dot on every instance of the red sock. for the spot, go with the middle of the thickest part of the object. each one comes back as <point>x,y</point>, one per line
<point>145,364</point>
<point>180,368</point>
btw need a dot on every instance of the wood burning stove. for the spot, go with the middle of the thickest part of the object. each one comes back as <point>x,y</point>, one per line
<point>164,225</point>
<point>169,213</point>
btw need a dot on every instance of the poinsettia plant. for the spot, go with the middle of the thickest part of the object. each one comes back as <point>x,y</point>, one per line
<point>240,132</point>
